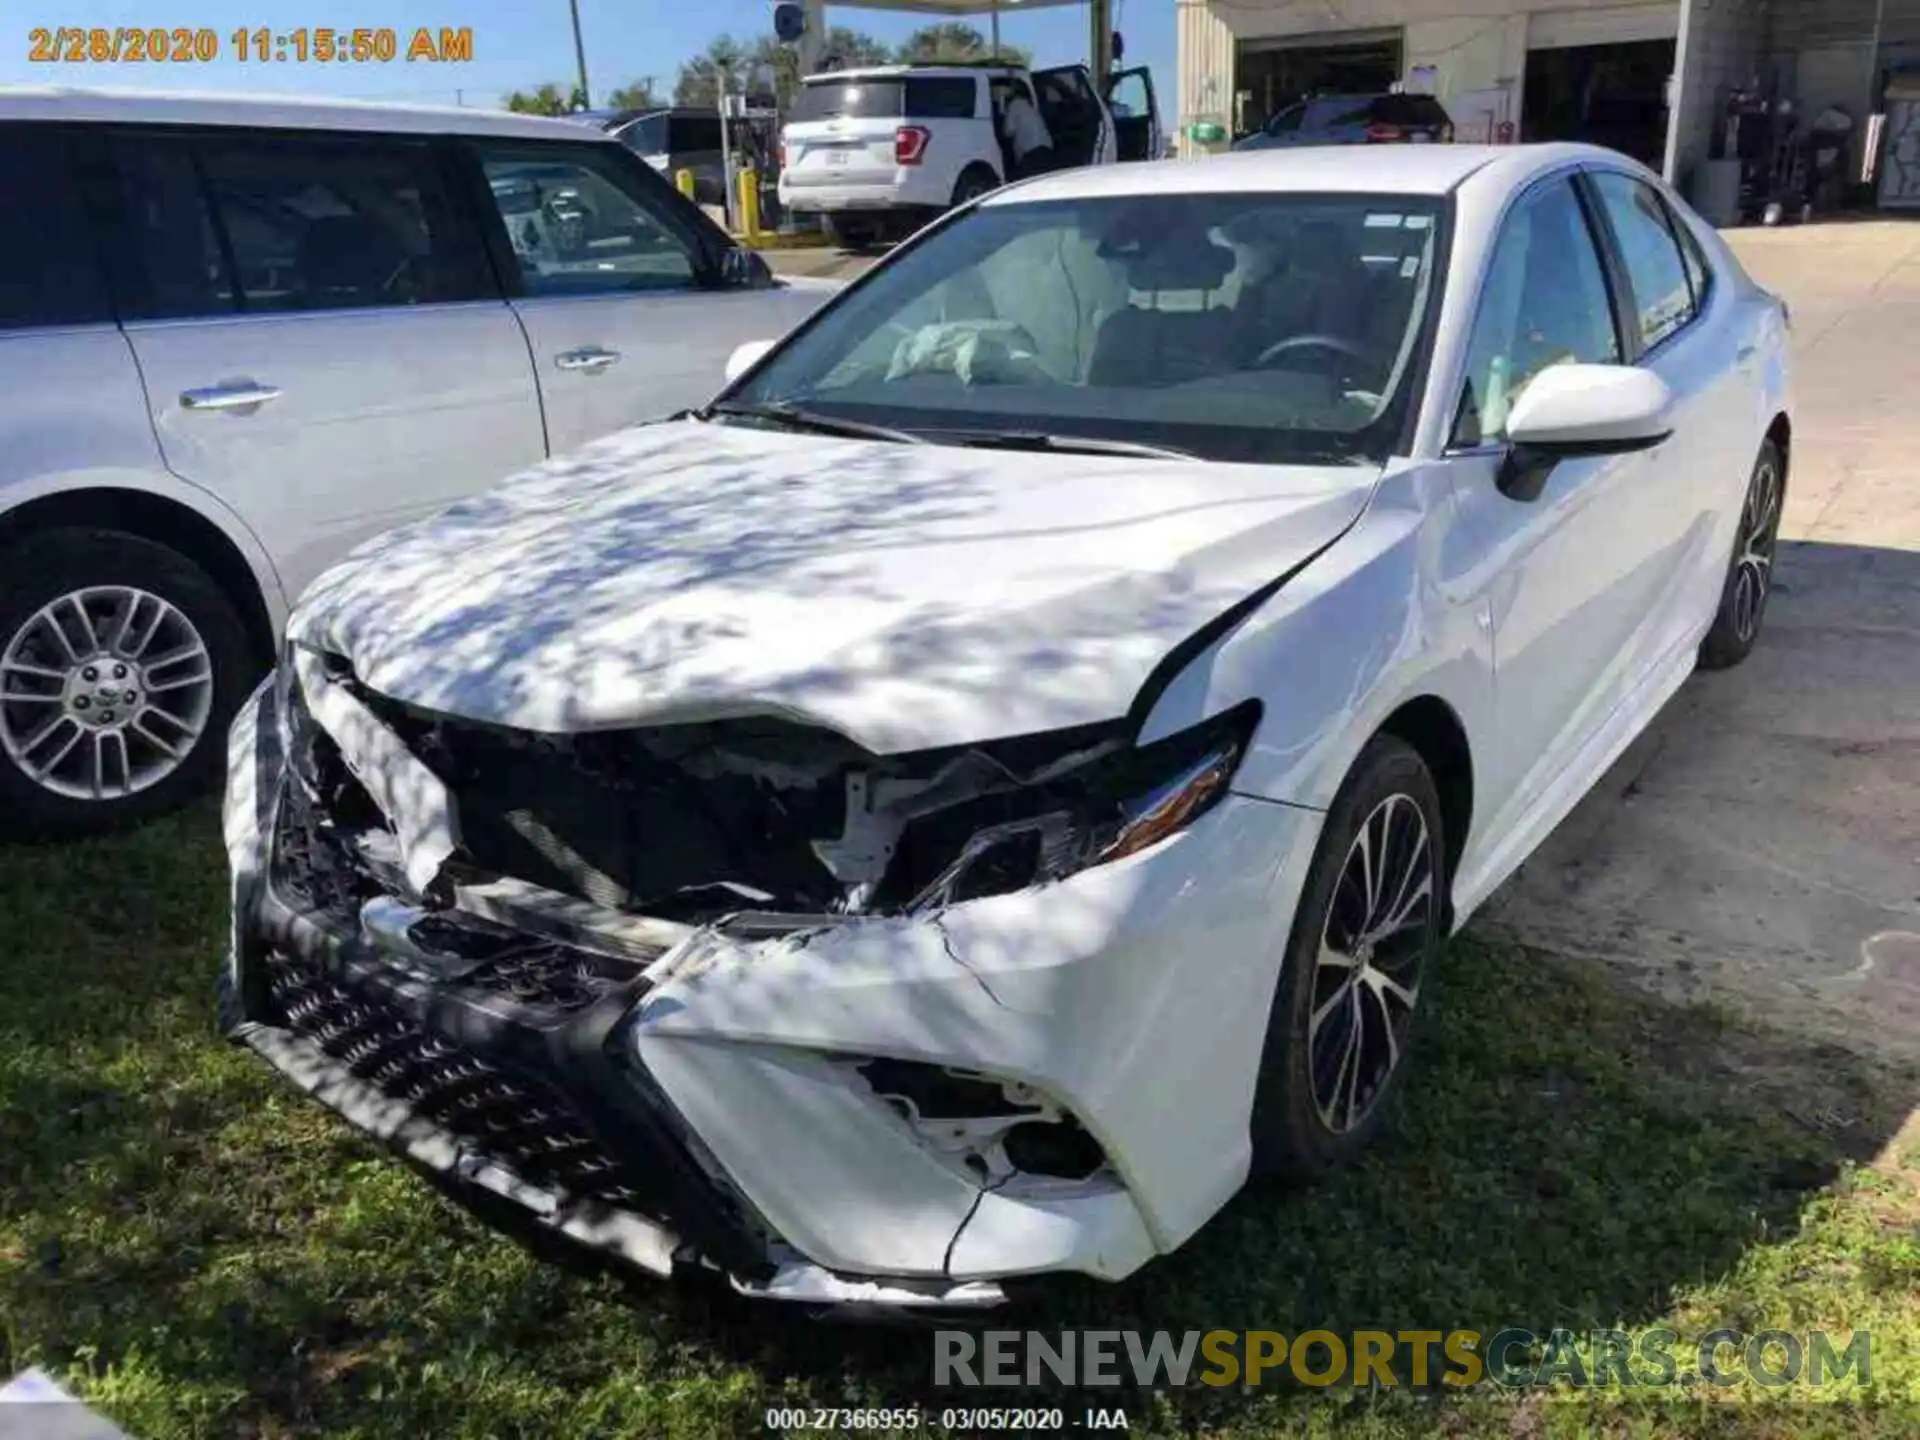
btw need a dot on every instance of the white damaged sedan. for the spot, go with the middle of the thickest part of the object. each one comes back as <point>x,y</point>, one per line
<point>960,804</point>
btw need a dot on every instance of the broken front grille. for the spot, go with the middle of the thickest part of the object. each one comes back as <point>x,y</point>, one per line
<point>521,1123</point>
<point>552,977</point>
<point>313,867</point>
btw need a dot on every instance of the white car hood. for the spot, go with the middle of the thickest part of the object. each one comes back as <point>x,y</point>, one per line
<point>907,596</point>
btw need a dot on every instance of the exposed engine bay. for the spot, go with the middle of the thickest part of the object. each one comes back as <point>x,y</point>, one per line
<point>689,823</point>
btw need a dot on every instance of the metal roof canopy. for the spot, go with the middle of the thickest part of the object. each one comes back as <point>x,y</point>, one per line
<point>1099,18</point>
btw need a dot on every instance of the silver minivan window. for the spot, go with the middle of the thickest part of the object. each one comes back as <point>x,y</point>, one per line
<point>49,273</point>
<point>577,225</point>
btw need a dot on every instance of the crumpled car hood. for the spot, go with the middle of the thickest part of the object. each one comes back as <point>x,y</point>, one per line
<point>907,596</point>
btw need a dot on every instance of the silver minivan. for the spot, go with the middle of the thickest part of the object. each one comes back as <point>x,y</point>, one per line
<point>239,336</point>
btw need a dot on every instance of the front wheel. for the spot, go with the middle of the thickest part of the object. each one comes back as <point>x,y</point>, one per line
<point>1369,922</point>
<point>121,664</point>
<point>1749,582</point>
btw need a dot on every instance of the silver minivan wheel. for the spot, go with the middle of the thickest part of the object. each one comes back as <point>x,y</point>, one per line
<point>104,691</point>
<point>122,662</point>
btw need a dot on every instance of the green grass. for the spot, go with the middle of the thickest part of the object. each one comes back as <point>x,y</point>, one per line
<point>200,1251</point>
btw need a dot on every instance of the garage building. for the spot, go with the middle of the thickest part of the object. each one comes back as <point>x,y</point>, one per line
<point>1652,79</point>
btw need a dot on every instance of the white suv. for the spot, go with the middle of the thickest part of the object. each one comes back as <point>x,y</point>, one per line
<point>879,151</point>
<point>239,336</point>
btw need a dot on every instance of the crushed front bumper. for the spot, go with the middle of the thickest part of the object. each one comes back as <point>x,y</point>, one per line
<point>694,1100</point>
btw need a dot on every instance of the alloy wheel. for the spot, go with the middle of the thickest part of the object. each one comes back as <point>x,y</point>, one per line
<point>1753,559</point>
<point>104,692</point>
<point>1366,979</point>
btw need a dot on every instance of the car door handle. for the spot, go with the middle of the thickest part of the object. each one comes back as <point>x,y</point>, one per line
<point>1744,354</point>
<point>228,397</point>
<point>590,358</point>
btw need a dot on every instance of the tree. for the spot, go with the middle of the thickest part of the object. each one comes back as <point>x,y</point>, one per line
<point>853,48</point>
<point>950,41</point>
<point>635,95</point>
<point>765,65</point>
<point>548,99</point>
<point>698,82</point>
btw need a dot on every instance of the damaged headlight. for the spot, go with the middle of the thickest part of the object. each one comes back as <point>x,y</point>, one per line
<point>306,751</point>
<point>1115,805</point>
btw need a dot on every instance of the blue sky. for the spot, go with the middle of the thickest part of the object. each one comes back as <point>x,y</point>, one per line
<point>519,42</point>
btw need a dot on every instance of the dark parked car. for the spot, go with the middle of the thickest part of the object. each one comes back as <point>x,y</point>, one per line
<point>672,141</point>
<point>1355,120</point>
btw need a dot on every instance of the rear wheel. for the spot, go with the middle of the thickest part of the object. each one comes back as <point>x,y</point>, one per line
<point>121,665</point>
<point>850,232</point>
<point>1743,598</point>
<point>1369,922</point>
<point>976,180</point>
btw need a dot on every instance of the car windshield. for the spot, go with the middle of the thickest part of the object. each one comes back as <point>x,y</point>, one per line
<point>1248,327</point>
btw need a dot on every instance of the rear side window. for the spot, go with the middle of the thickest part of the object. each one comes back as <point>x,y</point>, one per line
<point>1287,121</point>
<point>226,222</point>
<point>1662,293</point>
<point>1336,114</point>
<point>48,271</point>
<point>693,132</point>
<point>1409,110</point>
<point>1699,273</point>
<point>943,97</point>
<point>850,100</point>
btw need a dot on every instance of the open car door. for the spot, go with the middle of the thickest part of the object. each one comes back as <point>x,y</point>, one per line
<point>1136,114</point>
<point>1076,115</point>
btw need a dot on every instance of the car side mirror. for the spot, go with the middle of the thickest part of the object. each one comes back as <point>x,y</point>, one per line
<point>1567,411</point>
<point>745,357</point>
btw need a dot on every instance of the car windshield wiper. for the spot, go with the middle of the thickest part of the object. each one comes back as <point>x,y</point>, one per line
<point>794,418</point>
<point>1064,444</point>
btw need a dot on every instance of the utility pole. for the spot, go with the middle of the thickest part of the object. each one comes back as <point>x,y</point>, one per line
<point>580,54</point>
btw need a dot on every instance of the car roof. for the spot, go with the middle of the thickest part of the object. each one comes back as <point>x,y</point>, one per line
<point>966,68</point>
<point>1326,169</point>
<point>275,112</point>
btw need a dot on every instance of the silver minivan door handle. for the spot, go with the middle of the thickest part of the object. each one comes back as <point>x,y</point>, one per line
<point>589,358</point>
<point>228,397</point>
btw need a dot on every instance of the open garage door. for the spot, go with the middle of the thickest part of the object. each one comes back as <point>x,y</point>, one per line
<point>1271,74</point>
<point>1601,75</point>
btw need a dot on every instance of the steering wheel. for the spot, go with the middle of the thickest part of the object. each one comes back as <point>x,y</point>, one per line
<point>1310,342</point>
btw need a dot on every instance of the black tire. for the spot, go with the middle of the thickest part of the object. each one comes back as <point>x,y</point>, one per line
<point>851,235</point>
<point>1743,596</point>
<point>1292,1138</point>
<point>40,569</point>
<point>976,180</point>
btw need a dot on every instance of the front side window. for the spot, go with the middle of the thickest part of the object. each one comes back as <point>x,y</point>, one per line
<point>232,222</point>
<point>1255,327</point>
<point>1662,295</point>
<point>579,224</point>
<point>646,136</point>
<point>1544,303</point>
<point>1130,95</point>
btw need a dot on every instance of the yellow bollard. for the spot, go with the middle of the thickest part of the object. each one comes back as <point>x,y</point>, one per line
<point>684,179</point>
<point>750,206</point>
